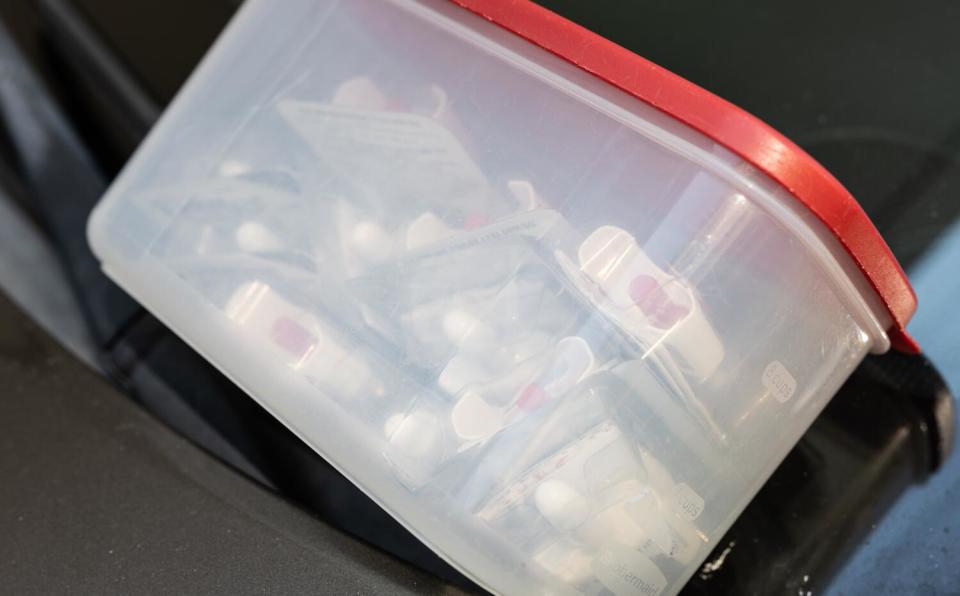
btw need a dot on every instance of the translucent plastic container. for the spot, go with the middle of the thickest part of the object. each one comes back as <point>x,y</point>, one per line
<point>559,335</point>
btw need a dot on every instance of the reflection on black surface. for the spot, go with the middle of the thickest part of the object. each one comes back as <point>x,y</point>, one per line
<point>889,426</point>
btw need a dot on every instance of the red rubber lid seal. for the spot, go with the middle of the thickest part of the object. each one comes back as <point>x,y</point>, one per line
<point>743,134</point>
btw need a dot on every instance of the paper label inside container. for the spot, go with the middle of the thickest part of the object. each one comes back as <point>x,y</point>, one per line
<point>397,151</point>
<point>627,572</point>
<point>537,225</point>
<point>573,455</point>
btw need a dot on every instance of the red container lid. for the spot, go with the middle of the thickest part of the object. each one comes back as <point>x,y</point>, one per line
<point>743,134</point>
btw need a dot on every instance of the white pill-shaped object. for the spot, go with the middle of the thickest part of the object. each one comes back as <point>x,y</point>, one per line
<point>371,242</point>
<point>613,260</point>
<point>473,418</point>
<point>524,193</point>
<point>650,301</point>
<point>253,236</point>
<point>416,435</point>
<point>561,504</point>
<point>427,229</point>
<point>360,92</point>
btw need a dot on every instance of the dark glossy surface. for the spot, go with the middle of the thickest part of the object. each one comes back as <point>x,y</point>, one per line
<point>99,498</point>
<point>878,436</point>
<point>868,88</point>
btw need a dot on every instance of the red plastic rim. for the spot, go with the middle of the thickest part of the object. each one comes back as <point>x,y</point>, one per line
<point>743,134</point>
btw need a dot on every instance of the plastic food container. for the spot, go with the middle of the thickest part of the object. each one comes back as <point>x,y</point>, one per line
<point>557,310</point>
